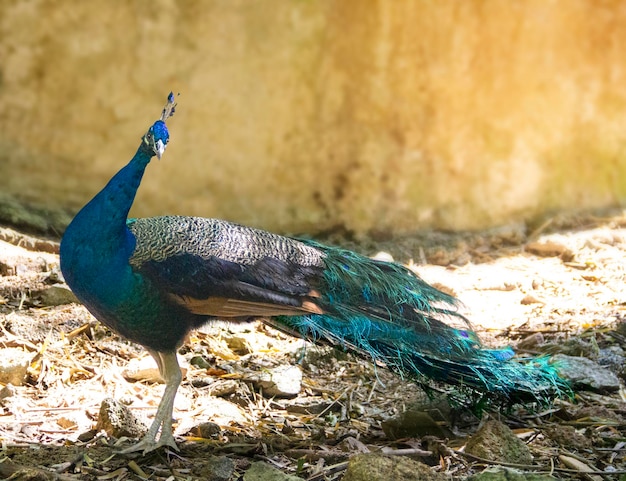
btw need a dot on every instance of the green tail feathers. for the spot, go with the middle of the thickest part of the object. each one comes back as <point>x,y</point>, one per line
<point>388,313</point>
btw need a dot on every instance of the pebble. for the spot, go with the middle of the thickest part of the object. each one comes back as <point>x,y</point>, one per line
<point>281,381</point>
<point>117,420</point>
<point>496,442</point>
<point>377,467</point>
<point>56,296</point>
<point>145,369</point>
<point>14,364</point>
<point>417,421</point>
<point>530,299</point>
<point>509,474</point>
<point>584,373</point>
<point>217,468</point>
<point>261,471</point>
<point>550,249</point>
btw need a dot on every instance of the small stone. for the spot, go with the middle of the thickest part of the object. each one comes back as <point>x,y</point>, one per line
<point>444,288</point>
<point>88,435</point>
<point>206,430</point>
<point>261,471</point>
<point>239,345</point>
<point>200,361</point>
<point>223,387</point>
<point>66,423</point>
<point>420,420</point>
<point>376,467</point>
<point>6,269</point>
<point>508,474</point>
<point>531,341</point>
<point>145,369</point>
<point>583,373</point>
<point>383,256</point>
<point>217,468</point>
<point>117,420</point>
<point>614,358</point>
<point>56,296</point>
<point>312,405</point>
<point>14,364</point>
<point>282,381</point>
<point>567,437</point>
<point>21,270</point>
<point>550,249</point>
<point>7,392</point>
<point>496,442</point>
<point>529,299</point>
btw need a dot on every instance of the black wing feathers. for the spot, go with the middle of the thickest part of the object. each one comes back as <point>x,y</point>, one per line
<point>219,287</point>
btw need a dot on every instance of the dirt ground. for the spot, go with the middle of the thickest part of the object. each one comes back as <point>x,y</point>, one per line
<point>542,292</point>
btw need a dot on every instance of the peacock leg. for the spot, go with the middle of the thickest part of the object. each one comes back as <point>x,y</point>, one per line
<point>171,374</point>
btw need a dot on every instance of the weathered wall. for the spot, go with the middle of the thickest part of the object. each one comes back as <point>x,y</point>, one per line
<point>302,115</point>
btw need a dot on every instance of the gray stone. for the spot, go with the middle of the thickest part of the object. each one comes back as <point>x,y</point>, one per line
<point>116,420</point>
<point>584,373</point>
<point>282,381</point>
<point>264,472</point>
<point>496,442</point>
<point>422,419</point>
<point>377,467</point>
<point>505,474</point>
<point>14,364</point>
<point>56,296</point>
<point>218,468</point>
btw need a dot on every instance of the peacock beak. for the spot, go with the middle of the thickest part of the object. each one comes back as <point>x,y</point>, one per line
<point>159,148</point>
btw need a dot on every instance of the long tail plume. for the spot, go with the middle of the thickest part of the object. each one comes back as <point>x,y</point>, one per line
<point>384,311</point>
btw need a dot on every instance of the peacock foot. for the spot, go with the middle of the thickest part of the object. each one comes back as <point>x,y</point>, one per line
<point>148,443</point>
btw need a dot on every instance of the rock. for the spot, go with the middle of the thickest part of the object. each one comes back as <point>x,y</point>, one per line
<point>422,419</point>
<point>14,364</point>
<point>531,341</point>
<point>507,474</point>
<point>6,269</point>
<point>550,249</point>
<point>207,430</point>
<point>217,468</point>
<point>377,467</point>
<point>116,420</point>
<point>383,256</point>
<point>496,442</point>
<point>311,405</point>
<point>87,436</point>
<point>577,347</point>
<point>530,299</point>
<point>613,357</point>
<point>238,344</point>
<point>583,373</point>
<point>7,392</point>
<point>145,369</point>
<point>567,437</point>
<point>316,357</point>
<point>260,471</point>
<point>598,412</point>
<point>56,296</point>
<point>282,381</point>
<point>200,361</point>
<point>223,387</point>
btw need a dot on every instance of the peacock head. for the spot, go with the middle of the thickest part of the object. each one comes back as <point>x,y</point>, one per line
<point>157,137</point>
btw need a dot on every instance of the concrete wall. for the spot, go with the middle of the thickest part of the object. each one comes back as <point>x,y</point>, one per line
<point>296,115</point>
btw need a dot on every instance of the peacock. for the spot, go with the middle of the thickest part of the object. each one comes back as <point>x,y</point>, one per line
<point>153,280</point>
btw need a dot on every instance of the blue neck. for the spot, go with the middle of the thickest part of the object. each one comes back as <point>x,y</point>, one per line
<point>99,229</point>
